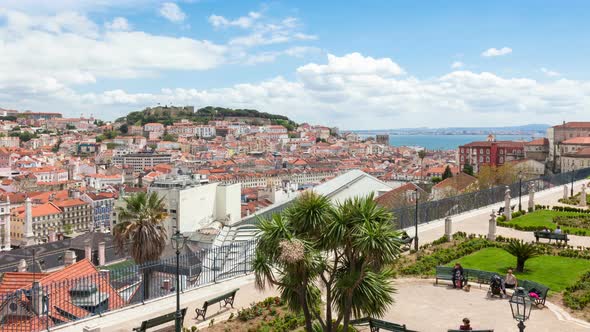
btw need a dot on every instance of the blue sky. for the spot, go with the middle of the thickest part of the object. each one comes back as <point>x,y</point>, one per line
<point>357,65</point>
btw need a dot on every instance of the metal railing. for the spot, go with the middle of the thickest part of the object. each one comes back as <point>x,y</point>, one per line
<point>433,210</point>
<point>47,305</point>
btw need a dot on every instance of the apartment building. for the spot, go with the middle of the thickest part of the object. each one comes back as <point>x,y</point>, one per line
<point>560,133</point>
<point>490,152</point>
<point>141,161</point>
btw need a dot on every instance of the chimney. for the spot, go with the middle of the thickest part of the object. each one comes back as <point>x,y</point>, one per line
<point>70,258</point>
<point>22,266</point>
<point>101,254</point>
<point>88,250</point>
<point>37,298</point>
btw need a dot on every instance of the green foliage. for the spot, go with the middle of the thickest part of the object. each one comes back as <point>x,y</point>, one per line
<point>523,251</point>
<point>55,148</point>
<point>436,179</point>
<point>572,221</point>
<point>202,115</point>
<point>550,269</point>
<point>570,209</point>
<point>468,169</point>
<point>24,136</point>
<point>70,126</point>
<point>111,145</point>
<point>169,138</point>
<point>345,248</point>
<point>577,296</point>
<point>426,264</point>
<point>448,173</point>
<point>68,229</point>
<point>124,128</point>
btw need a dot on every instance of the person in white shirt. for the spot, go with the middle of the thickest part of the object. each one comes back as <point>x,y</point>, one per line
<point>558,230</point>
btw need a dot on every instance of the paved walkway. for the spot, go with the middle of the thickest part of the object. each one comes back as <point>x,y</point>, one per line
<point>477,221</point>
<point>425,307</point>
<point>418,304</point>
<point>124,320</point>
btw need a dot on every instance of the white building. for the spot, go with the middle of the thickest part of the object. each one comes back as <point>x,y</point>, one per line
<point>192,205</point>
<point>5,224</point>
<point>100,181</point>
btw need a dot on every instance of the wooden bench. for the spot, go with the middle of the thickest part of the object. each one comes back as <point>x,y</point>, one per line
<point>148,324</point>
<point>542,290</point>
<point>551,236</point>
<point>446,273</point>
<point>227,298</point>
<point>376,325</point>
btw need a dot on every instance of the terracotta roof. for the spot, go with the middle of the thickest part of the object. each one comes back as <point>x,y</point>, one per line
<point>538,141</point>
<point>574,125</point>
<point>577,140</point>
<point>397,197</point>
<point>458,182</point>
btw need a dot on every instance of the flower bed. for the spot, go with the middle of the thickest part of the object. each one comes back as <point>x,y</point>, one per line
<point>269,315</point>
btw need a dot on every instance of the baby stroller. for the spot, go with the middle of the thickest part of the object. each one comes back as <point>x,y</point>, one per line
<point>496,286</point>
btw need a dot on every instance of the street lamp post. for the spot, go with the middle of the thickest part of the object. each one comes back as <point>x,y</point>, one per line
<point>416,196</point>
<point>572,186</point>
<point>519,191</point>
<point>521,306</point>
<point>178,241</point>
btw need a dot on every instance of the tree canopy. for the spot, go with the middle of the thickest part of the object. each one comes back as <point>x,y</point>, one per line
<point>345,248</point>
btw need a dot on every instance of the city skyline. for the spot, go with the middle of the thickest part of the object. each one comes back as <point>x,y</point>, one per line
<point>369,66</point>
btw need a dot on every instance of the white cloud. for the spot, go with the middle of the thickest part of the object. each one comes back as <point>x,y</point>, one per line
<point>172,12</point>
<point>118,24</point>
<point>242,22</point>
<point>550,73</point>
<point>357,91</point>
<point>493,52</point>
<point>457,65</point>
<point>52,52</point>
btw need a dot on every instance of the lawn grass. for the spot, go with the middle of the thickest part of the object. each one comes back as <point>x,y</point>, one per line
<point>544,218</point>
<point>555,272</point>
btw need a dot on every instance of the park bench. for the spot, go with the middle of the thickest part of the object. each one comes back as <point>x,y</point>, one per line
<point>376,325</point>
<point>479,276</point>
<point>446,273</point>
<point>551,236</point>
<point>227,298</point>
<point>148,324</point>
<point>542,290</point>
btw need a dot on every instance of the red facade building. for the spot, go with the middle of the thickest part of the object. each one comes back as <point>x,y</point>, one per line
<point>490,152</point>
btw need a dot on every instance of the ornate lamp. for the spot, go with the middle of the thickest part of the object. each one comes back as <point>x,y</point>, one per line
<point>521,306</point>
<point>178,242</point>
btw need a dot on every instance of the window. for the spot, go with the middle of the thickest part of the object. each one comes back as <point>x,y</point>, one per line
<point>501,151</point>
<point>481,159</point>
<point>480,151</point>
<point>462,158</point>
<point>487,151</point>
<point>501,160</point>
<point>487,159</point>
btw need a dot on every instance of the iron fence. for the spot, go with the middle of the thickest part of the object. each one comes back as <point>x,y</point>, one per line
<point>438,209</point>
<point>56,299</point>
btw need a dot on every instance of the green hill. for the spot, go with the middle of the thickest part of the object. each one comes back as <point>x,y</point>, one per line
<point>167,115</point>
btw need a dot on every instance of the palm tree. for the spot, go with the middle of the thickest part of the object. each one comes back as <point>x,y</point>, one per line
<point>345,248</point>
<point>421,155</point>
<point>523,251</point>
<point>140,230</point>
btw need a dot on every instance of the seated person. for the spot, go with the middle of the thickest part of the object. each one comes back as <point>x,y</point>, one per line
<point>558,230</point>
<point>466,325</point>
<point>510,281</point>
<point>458,276</point>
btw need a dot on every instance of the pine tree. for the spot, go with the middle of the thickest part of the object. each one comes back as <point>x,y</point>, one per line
<point>447,173</point>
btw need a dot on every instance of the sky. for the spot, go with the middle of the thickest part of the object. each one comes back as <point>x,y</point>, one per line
<point>355,64</point>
